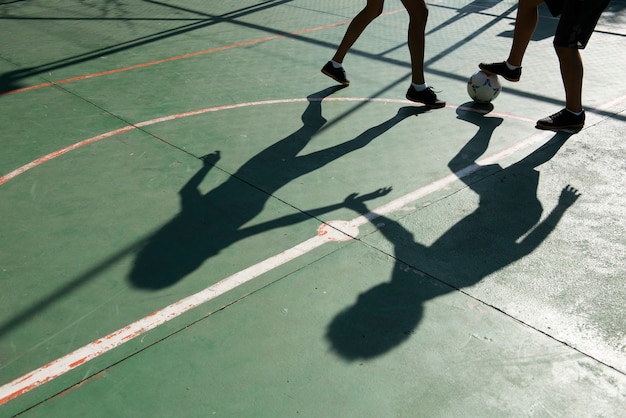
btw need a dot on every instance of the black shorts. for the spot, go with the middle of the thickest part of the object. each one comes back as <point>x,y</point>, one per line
<point>577,22</point>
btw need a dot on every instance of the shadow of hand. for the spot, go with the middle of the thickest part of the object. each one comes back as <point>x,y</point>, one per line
<point>357,203</point>
<point>212,158</point>
<point>569,195</point>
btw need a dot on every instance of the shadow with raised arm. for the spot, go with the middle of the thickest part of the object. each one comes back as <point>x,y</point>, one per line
<point>208,223</point>
<point>505,227</point>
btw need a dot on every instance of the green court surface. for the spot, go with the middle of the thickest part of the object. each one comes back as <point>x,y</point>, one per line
<point>194,221</point>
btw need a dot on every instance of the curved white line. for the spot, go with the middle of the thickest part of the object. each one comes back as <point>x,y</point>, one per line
<point>11,175</point>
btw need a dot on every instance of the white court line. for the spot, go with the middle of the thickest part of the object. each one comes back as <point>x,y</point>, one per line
<point>46,158</point>
<point>92,350</point>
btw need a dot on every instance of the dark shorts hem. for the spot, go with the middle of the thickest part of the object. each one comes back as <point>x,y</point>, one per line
<point>578,20</point>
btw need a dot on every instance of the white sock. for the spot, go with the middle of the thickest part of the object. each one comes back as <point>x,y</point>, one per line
<point>419,87</point>
<point>511,67</point>
<point>336,64</point>
<point>576,113</point>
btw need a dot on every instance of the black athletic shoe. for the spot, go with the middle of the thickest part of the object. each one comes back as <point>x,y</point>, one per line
<point>428,97</point>
<point>500,68</point>
<point>563,120</point>
<point>337,74</point>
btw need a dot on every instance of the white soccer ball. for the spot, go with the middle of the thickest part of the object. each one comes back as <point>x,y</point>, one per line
<point>483,88</point>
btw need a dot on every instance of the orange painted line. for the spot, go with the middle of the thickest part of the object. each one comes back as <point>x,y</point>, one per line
<point>78,362</point>
<point>38,86</point>
<point>144,65</point>
<point>184,56</point>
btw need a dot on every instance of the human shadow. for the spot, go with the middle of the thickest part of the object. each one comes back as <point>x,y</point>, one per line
<point>208,223</point>
<point>505,227</point>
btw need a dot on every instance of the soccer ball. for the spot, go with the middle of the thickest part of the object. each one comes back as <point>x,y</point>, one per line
<point>483,88</point>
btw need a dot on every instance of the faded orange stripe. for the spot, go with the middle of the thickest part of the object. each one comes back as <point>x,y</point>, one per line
<point>180,57</point>
<point>184,56</point>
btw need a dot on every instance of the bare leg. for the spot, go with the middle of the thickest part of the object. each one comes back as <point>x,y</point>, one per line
<point>418,15</point>
<point>525,24</point>
<point>572,74</point>
<point>372,10</point>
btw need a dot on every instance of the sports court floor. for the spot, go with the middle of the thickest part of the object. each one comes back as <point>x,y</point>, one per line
<point>194,221</point>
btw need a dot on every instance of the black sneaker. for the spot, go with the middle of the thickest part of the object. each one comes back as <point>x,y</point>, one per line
<point>337,74</point>
<point>563,120</point>
<point>500,68</point>
<point>428,97</point>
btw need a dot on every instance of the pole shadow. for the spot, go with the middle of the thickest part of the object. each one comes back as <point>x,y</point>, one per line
<point>211,222</point>
<point>117,11</point>
<point>505,227</point>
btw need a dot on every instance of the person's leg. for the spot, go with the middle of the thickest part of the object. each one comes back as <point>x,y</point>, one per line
<point>576,25</point>
<point>525,24</point>
<point>572,118</point>
<point>334,68</point>
<point>578,20</point>
<point>572,73</point>
<point>419,91</point>
<point>418,15</point>
<point>372,10</point>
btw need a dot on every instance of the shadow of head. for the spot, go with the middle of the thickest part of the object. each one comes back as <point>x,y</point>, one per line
<point>154,275</point>
<point>168,258</point>
<point>381,319</point>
